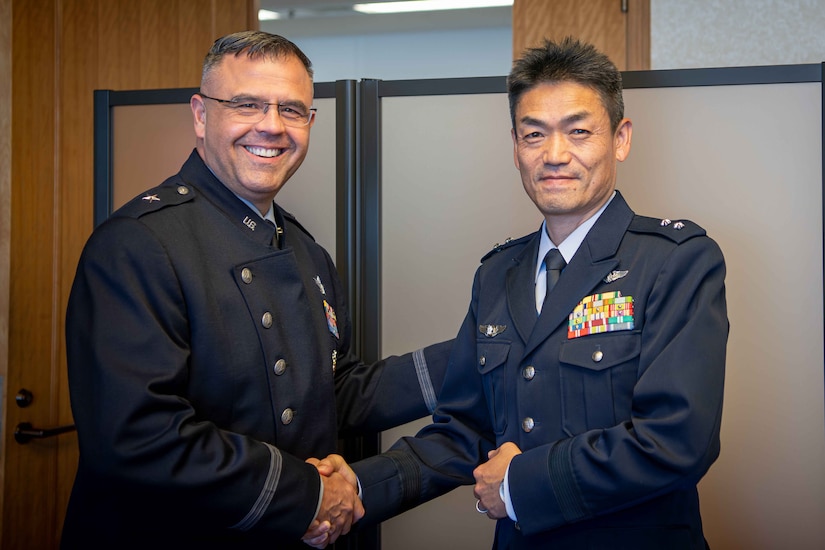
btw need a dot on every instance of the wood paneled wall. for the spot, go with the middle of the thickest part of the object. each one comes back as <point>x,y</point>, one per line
<point>5,211</point>
<point>62,50</point>
<point>619,28</point>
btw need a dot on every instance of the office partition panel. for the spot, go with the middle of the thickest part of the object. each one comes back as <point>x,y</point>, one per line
<point>414,182</point>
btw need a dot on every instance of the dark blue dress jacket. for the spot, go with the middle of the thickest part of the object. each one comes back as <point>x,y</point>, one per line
<point>206,362</point>
<point>616,427</point>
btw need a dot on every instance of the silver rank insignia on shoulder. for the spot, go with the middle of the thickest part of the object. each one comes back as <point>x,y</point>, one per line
<point>491,331</point>
<point>615,276</point>
<point>151,198</point>
<point>318,282</point>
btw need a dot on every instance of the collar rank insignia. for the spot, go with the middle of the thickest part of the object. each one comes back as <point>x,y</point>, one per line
<point>615,276</point>
<point>491,330</point>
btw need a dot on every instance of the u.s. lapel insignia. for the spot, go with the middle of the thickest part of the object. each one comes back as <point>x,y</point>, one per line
<point>491,331</point>
<point>332,321</point>
<point>615,276</point>
<point>318,282</point>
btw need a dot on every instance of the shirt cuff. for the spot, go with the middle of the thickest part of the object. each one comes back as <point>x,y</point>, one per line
<point>504,493</point>
<point>320,497</point>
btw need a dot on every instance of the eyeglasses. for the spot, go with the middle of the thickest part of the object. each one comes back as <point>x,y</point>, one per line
<point>251,111</point>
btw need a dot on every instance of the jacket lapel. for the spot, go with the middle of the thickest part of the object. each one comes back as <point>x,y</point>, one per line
<point>521,293</point>
<point>595,258</point>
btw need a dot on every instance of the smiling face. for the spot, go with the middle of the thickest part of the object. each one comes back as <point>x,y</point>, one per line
<point>567,153</point>
<point>253,160</point>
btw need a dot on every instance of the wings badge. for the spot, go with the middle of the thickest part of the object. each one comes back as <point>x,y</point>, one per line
<point>490,331</point>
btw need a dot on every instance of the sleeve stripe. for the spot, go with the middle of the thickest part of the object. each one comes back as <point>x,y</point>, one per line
<point>267,493</point>
<point>424,379</point>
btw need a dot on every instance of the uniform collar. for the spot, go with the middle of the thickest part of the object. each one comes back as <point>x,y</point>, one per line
<point>243,215</point>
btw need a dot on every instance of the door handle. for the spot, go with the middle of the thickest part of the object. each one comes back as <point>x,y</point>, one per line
<point>25,432</point>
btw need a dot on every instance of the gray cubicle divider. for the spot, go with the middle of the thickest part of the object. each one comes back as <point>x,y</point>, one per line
<point>424,185</point>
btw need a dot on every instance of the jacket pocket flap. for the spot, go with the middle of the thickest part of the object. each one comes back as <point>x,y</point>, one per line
<point>602,351</point>
<point>491,356</point>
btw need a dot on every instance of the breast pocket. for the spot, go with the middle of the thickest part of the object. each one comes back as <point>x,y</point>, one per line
<point>597,374</point>
<point>491,361</point>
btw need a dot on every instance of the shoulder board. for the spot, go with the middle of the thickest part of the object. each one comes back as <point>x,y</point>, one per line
<point>291,219</point>
<point>169,193</point>
<point>508,242</point>
<point>677,231</point>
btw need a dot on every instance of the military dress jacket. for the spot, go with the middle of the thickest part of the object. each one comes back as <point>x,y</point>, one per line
<point>617,425</point>
<point>208,357</point>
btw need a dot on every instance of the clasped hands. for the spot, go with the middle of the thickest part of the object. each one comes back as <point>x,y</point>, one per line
<point>340,506</point>
<point>489,477</point>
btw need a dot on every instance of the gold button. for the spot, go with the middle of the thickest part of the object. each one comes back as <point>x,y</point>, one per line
<point>287,416</point>
<point>182,190</point>
<point>280,367</point>
<point>598,355</point>
<point>246,275</point>
<point>529,372</point>
<point>266,320</point>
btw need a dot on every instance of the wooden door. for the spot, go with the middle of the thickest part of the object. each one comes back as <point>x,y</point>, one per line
<point>60,52</point>
<point>619,28</point>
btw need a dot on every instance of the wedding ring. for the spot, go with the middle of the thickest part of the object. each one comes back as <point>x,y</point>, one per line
<point>478,507</point>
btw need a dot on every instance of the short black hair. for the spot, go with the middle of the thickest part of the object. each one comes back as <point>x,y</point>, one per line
<point>568,61</point>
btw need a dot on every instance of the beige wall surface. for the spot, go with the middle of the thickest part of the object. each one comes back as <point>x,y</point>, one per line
<point>745,162</point>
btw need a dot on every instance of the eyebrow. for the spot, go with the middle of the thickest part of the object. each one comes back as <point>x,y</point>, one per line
<point>569,119</point>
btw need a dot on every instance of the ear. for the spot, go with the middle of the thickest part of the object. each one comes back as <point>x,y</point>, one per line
<point>622,139</point>
<point>515,148</point>
<point>199,115</point>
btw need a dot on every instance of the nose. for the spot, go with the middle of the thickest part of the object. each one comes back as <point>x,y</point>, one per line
<point>271,122</point>
<point>555,150</point>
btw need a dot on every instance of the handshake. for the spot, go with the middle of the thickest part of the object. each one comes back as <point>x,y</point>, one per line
<point>340,505</point>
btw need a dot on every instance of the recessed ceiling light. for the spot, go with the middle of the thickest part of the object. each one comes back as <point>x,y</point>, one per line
<point>267,15</point>
<point>428,5</point>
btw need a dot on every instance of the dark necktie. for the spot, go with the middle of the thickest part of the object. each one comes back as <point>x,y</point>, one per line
<point>554,263</point>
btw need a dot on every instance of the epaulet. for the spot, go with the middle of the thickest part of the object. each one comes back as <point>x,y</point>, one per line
<point>296,223</point>
<point>677,231</point>
<point>508,242</point>
<point>169,193</point>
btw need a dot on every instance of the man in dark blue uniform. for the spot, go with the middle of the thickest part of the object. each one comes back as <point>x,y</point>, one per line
<point>209,343</point>
<point>584,393</point>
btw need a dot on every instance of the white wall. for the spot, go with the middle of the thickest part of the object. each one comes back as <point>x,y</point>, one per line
<point>735,33</point>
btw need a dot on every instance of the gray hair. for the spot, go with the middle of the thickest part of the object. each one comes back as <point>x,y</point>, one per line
<point>255,44</point>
